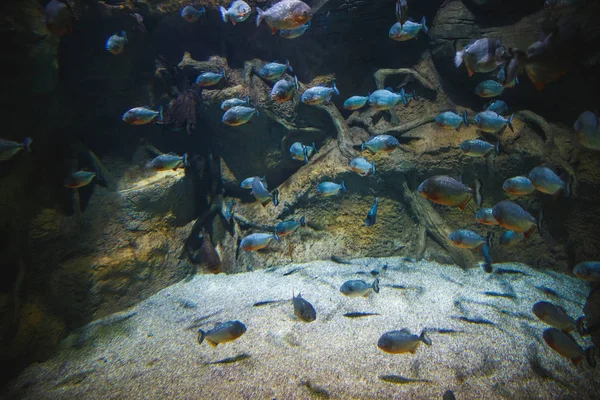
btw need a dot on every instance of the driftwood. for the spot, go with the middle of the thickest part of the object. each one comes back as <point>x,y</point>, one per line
<point>344,138</point>
<point>214,64</point>
<point>381,74</point>
<point>398,130</point>
<point>529,117</point>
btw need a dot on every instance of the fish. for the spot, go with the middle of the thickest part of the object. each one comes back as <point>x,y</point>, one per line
<point>566,346</point>
<point>587,130</point>
<point>288,227</point>
<point>479,148</point>
<point>303,310</point>
<point>258,241</point>
<point>286,14</point>
<point>319,94</point>
<point>372,214</point>
<point>284,90</point>
<point>239,115</point>
<point>488,89</point>
<point>116,43</point>
<point>362,166</point>
<point>142,115</point>
<point>452,120</point>
<point>380,143</point>
<point>497,106</point>
<point>359,288</point>
<point>58,17</point>
<point>510,238</point>
<point>557,317</point>
<point>448,395</point>
<point>238,11</point>
<point>229,360</point>
<point>407,31</point>
<point>518,186</point>
<point>210,78</point>
<point>169,161</point>
<point>502,78</point>
<point>588,271</point>
<point>355,102</point>
<point>294,33</point>
<point>442,189</point>
<point>358,314</point>
<point>229,103</point>
<point>491,122</point>
<point>482,55</point>
<point>485,216</point>
<point>386,99</point>
<point>247,183</point>
<point>326,189</point>
<point>546,181</point>
<point>402,11</point>
<point>222,333</point>
<point>274,70</point>
<point>402,341</point>
<point>9,148</point>
<point>511,216</point>
<point>300,152</point>
<point>467,239</point>
<point>192,14</point>
<point>259,190</point>
<point>228,213</point>
<point>79,179</point>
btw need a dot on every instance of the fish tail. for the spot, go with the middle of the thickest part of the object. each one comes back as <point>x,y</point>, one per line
<point>289,67</point>
<point>403,96</point>
<point>27,143</point>
<point>478,195</point>
<point>185,160</point>
<point>414,95</point>
<point>314,147</point>
<point>275,235</point>
<point>363,146</point>
<point>160,113</point>
<point>302,221</point>
<point>568,180</point>
<point>510,122</point>
<point>497,146</point>
<point>425,28</point>
<point>489,239</point>
<point>201,336</point>
<point>375,285</point>
<point>343,186</point>
<point>276,197</point>
<point>335,89</point>
<point>465,119</point>
<point>308,24</point>
<point>424,338</point>
<point>123,34</point>
<point>580,326</point>
<point>590,356</point>
<point>373,168</point>
<point>296,82</point>
<point>224,74</point>
<point>247,99</point>
<point>458,58</point>
<point>260,16</point>
<point>223,13</point>
<point>305,153</point>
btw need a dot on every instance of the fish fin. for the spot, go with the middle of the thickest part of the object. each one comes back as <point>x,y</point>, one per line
<point>470,71</point>
<point>276,197</point>
<point>363,146</point>
<point>478,195</point>
<point>343,186</point>
<point>497,146</point>
<point>425,28</point>
<point>335,89</point>
<point>465,118</point>
<point>458,58</point>
<point>376,285</point>
<point>273,31</point>
<point>413,351</point>
<point>233,22</point>
<point>160,114</point>
<point>260,16</point>
<point>201,336</point>
<point>590,356</point>
<point>373,168</point>
<point>212,343</point>
<point>529,232</point>
<point>510,122</point>
<point>424,338</point>
<point>27,144</point>
<point>314,147</point>
<point>289,67</point>
<point>463,205</point>
<point>223,13</point>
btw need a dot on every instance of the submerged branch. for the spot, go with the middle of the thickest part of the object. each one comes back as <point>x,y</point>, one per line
<point>397,130</point>
<point>381,74</point>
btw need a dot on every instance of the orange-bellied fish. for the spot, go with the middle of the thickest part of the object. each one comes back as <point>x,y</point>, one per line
<point>479,148</point>
<point>380,144</point>
<point>239,115</point>
<point>58,17</point>
<point>294,33</point>
<point>372,214</point>
<point>326,189</point>
<point>169,161</point>
<point>566,346</point>
<point>286,14</point>
<point>491,122</point>
<point>546,181</point>
<point>229,103</point>
<point>452,120</point>
<point>116,43</point>
<point>257,241</point>
<point>9,148</point>
<point>557,317</point>
<point>442,189</point>
<point>142,115</point>
<point>259,190</point>
<point>588,271</point>
<point>488,89</point>
<point>288,227</point>
<point>510,238</point>
<point>518,186</point>
<point>222,333</point>
<point>362,166</point>
<point>355,102</point>
<point>300,152</point>
<point>79,179</point>
<point>192,14</point>
<point>238,11</point>
<point>274,70</point>
<point>485,216</point>
<point>511,216</point>
<point>403,341</point>
<point>319,94</point>
<point>284,90</point>
<point>483,55</point>
<point>408,30</point>
<point>587,130</point>
<point>247,183</point>
<point>210,78</point>
<point>303,310</point>
<point>359,288</point>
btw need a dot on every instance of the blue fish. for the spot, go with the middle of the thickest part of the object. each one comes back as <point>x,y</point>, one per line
<point>502,79</point>
<point>238,11</point>
<point>489,88</point>
<point>518,186</point>
<point>288,227</point>
<point>479,148</point>
<point>380,143</point>
<point>239,115</point>
<point>116,43</point>
<point>449,119</point>
<point>330,188</point>
<point>372,215</point>
<point>407,31</point>
<point>274,70</point>
<point>491,122</point>
<point>300,152</point>
<point>485,216</point>
<point>362,166</point>
<point>283,90</point>
<point>169,161</point>
<point>509,238</point>
<point>497,106</point>
<point>142,115</point>
<point>192,14</point>
<point>294,33</point>
<point>247,183</point>
<point>356,102</point>
<point>319,94</point>
<point>9,148</point>
<point>229,103</point>
<point>587,130</point>
<point>210,78</point>
<point>385,99</point>
<point>257,241</point>
<point>262,194</point>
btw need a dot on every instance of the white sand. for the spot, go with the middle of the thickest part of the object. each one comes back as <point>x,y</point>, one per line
<point>155,354</point>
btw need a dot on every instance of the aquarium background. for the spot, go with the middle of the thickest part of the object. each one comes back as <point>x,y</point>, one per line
<point>142,231</point>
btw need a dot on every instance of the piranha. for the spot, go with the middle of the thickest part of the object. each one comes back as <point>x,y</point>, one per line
<point>380,143</point>
<point>300,152</point>
<point>247,183</point>
<point>442,189</point>
<point>229,103</point>
<point>116,43</point>
<point>402,11</point>
<point>284,90</point>
<point>408,30</point>
<point>485,216</point>
<point>356,102</point>
<point>452,120</point>
<point>491,122</point>
<point>210,78</point>
<point>467,239</point>
<point>58,16</point>
<point>483,55</point>
<point>286,14</point>
<point>479,148</point>
<point>192,14</point>
<point>359,288</point>
<point>238,11</point>
<point>497,106</point>
<point>9,148</point>
<point>222,333</point>
<point>169,161</point>
<point>386,99</point>
<point>319,94</point>
<point>398,342</point>
<point>557,317</point>
<point>518,186</point>
<point>79,179</point>
<point>503,80</point>
<point>372,214</point>
<point>546,181</point>
<point>239,115</point>
<point>229,207</point>
<point>488,89</point>
<point>259,190</point>
<point>510,238</point>
<point>142,115</point>
<point>587,130</point>
<point>362,166</point>
<point>294,33</point>
<point>511,216</point>
<point>288,227</point>
<point>327,189</point>
<point>588,271</point>
<point>257,241</point>
<point>303,310</point>
<point>566,346</point>
<point>274,70</point>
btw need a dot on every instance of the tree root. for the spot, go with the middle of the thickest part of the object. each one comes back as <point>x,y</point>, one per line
<point>381,74</point>
<point>397,130</point>
<point>529,117</point>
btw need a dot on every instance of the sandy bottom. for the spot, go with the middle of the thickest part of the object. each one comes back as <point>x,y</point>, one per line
<point>486,343</point>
